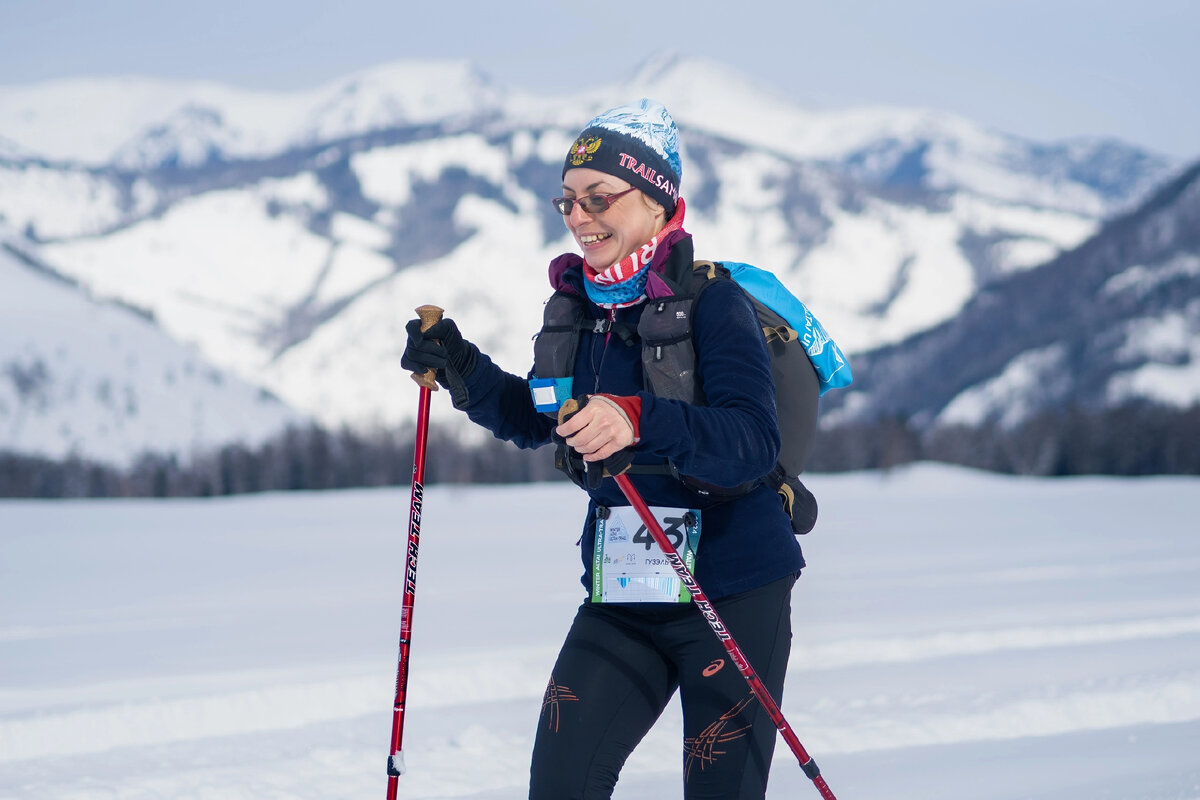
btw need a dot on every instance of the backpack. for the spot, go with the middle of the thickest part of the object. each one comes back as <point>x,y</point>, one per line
<point>805,363</point>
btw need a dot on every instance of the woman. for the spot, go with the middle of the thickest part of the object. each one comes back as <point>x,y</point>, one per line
<point>636,640</point>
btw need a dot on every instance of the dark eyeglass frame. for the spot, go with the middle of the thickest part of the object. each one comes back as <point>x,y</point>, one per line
<point>591,204</point>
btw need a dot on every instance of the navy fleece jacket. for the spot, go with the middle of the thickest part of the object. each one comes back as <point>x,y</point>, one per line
<point>745,542</point>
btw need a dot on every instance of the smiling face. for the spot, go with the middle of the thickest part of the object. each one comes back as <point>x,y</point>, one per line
<point>609,236</point>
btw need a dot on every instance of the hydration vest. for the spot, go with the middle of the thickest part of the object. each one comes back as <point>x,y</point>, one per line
<point>669,370</point>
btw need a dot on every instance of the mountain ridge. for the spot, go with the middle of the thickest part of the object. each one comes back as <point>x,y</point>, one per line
<point>1079,314</point>
<point>295,267</point>
<point>99,380</point>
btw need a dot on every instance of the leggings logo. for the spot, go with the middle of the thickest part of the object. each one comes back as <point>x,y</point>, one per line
<point>705,749</point>
<point>555,695</point>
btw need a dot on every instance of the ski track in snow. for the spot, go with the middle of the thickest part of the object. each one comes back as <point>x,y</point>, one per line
<point>501,676</point>
<point>1071,647</point>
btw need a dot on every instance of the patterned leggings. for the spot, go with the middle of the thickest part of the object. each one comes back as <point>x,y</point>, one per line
<point>620,665</point>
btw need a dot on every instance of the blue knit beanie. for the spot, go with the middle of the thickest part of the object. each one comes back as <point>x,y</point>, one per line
<point>637,143</point>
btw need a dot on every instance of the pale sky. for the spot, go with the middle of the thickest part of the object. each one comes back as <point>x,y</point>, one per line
<point>1045,69</point>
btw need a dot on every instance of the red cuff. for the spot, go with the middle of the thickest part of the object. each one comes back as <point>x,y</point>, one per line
<point>632,408</point>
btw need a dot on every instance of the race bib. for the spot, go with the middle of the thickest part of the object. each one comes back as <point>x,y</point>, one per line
<point>629,567</point>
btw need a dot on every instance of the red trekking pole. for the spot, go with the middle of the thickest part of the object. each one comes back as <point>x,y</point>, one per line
<point>714,621</point>
<point>395,768</point>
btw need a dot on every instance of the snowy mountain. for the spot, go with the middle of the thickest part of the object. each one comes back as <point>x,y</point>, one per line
<point>1114,320</point>
<point>98,380</point>
<point>138,123</point>
<point>288,236</point>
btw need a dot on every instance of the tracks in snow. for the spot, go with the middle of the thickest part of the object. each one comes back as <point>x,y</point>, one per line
<point>832,696</point>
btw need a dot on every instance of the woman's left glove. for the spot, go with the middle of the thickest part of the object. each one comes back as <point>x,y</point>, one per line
<point>441,348</point>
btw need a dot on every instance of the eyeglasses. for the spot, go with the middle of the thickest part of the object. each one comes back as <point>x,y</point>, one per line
<point>592,204</point>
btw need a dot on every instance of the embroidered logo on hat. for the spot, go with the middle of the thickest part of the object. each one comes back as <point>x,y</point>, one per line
<point>583,150</point>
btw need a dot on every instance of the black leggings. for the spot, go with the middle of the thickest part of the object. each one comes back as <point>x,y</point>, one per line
<point>620,665</point>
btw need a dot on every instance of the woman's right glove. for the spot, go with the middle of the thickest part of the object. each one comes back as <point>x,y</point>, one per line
<point>441,348</point>
<point>617,416</point>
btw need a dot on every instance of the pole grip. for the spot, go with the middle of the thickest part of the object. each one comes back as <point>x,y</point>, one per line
<point>430,316</point>
<point>569,407</point>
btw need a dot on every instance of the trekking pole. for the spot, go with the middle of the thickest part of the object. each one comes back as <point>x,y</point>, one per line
<point>718,627</point>
<point>714,621</point>
<point>429,315</point>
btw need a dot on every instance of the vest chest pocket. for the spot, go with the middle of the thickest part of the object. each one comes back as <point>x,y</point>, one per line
<point>668,356</point>
<point>554,350</point>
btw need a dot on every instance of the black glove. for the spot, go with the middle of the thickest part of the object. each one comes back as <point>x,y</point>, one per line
<point>594,471</point>
<point>443,349</point>
<point>799,504</point>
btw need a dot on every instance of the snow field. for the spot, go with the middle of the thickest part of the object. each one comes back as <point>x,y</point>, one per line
<point>955,635</point>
